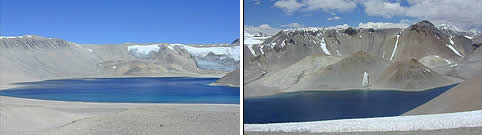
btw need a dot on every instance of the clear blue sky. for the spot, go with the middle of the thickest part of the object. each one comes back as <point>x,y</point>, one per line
<point>122,21</point>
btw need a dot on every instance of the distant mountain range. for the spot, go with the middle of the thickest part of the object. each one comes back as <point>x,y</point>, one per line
<point>32,58</point>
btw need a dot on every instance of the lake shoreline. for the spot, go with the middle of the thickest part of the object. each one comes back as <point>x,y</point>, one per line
<point>35,116</point>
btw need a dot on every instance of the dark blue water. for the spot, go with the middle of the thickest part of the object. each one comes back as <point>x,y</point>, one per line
<point>330,105</point>
<point>132,90</point>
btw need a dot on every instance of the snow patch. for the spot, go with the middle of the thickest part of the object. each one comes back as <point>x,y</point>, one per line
<point>338,52</point>
<point>469,37</point>
<point>170,47</point>
<point>282,44</point>
<point>454,65</point>
<point>365,81</point>
<point>323,46</point>
<point>394,48</point>
<point>91,51</point>
<point>261,49</point>
<point>380,124</point>
<point>451,41</point>
<point>454,50</point>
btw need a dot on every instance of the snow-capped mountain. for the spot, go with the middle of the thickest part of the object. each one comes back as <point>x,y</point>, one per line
<point>31,57</point>
<point>455,31</point>
<point>441,49</point>
<point>213,57</point>
<point>225,58</point>
<point>259,34</point>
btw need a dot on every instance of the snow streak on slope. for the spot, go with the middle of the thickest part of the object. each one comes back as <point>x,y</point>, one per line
<point>469,37</point>
<point>397,123</point>
<point>395,48</point>
<point>451,41</point>
<point>452,48</point>
<point>323,46</point>
<point>365,80</point>
<point>250,47</point>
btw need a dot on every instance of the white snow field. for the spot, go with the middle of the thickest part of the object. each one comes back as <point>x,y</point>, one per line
<point>142,50</point>
<point>396,123</point>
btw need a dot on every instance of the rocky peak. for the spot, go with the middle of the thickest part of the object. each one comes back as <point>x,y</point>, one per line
<point>423,26</point>
<point>351,31</point>
<point>259,34</point>
<point>412,67</point>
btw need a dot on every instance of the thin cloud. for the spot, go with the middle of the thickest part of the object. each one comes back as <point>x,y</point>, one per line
<point>290,6</point>
<point>264,28</point>
<point>381,25</point>
<point>292,25</point>
<point>333,18</point>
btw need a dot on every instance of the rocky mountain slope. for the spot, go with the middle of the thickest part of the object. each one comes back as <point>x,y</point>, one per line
<point>363,53</point>
<point>466,96</point>
<point>32,58</point>
<point>230,79</point>
<point>410,75</point>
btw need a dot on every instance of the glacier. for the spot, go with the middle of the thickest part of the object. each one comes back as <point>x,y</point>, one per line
<point>323,46</point>
<point>142,51</point>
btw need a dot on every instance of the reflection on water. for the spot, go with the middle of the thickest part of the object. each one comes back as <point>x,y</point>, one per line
<point>134,90</point>
<point>330,105</point>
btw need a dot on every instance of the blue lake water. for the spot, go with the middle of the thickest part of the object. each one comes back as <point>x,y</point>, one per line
<point>331,105</point>
<point>129,90</point>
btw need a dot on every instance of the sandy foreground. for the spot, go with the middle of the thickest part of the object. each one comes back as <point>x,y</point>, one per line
<point>19,116</point>
<point>455,131</point>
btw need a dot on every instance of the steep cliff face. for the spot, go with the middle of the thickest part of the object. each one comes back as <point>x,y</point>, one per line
<point>346,73</point>
<point>30,57</point>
